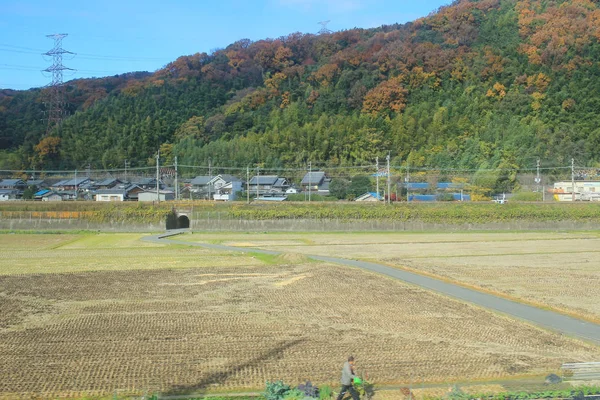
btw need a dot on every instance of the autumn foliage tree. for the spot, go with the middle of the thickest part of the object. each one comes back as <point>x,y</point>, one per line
<point>388,97</point>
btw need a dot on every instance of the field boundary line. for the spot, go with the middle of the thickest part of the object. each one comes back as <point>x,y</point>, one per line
<point>548,319</point>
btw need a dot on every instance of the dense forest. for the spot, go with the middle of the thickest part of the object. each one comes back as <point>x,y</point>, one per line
<point>475,85</point>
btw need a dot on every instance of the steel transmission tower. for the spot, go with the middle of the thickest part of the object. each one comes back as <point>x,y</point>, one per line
<point>324,29</point>
<point>55,102</point>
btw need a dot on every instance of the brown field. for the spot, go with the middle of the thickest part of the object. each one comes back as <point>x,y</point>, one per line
<point>141,318</point>
<point>557,270</point>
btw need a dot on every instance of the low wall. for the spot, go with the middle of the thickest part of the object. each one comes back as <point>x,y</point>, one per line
<point>77,224</point>
<point>302,225</point>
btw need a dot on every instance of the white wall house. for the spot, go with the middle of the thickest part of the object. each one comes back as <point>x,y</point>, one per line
<point>226,187</point>
<point>164,195</point>
<point>584,191</point>
<point>111,195</point>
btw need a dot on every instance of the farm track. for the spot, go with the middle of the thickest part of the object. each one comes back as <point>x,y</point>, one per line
<point>548,319</point>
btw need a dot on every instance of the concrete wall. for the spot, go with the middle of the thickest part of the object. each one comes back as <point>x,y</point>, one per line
<point>289,225</point>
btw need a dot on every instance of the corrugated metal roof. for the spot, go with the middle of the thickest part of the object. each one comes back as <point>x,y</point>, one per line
<point>42,192</point>
<point>417,185</point>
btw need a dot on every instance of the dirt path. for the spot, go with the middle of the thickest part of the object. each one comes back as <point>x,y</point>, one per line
<point>548,319</point>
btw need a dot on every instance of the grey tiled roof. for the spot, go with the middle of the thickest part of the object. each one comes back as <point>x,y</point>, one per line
<point>264,180</point>
<point>201,180</point>
<point>314,178</point>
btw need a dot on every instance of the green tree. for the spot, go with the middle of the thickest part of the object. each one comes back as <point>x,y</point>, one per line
<point>360,184</point>
<point>339,187</point>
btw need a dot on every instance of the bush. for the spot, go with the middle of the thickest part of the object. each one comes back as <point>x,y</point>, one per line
<point>294,394</point>
<point>276,390</point>
<point>527,196</point>
<point>308,389</point>
<point>325,392</point>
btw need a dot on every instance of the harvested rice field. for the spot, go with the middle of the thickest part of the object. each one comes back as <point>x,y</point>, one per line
<point>558,270</point>
<point>94,315</point>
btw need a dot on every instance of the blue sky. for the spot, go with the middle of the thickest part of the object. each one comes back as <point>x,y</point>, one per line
<point>112,37</point>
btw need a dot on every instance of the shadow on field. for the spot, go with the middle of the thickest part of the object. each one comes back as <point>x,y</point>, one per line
<point>221,376</point>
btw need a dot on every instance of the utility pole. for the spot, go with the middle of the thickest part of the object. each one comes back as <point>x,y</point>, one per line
<point>157,176</point>
<point>377,175</point>
<point>247,185</point>
<point>573,179</point>
<point>209,177</point>
<point>176,180</point>
<point>309,179</point>
<point>126,166</point>
<point>537,176</point>
<point>257,179</point>
<point>389,185</point>
<point>55,105</point>
<point>75,184</point>
<point>407,180</point>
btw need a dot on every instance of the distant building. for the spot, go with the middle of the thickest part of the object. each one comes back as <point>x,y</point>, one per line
<point>369,196</point>
<point>163,195</point>
<point>268,184</point>
<point>220,187</point>
<point>584,191</point>
<point>8,194</point>
<point>111,194</point>
<point>71,184</point>
<point>13,184</point>
<point>108,183</point>
<point>317,182</point>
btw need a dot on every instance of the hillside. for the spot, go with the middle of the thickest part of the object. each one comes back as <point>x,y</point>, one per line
<point>478,84</point>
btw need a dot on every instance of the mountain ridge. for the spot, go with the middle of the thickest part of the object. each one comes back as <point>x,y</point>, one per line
<point>476,85</point>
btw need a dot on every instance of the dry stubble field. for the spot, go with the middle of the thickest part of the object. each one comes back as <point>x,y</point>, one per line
<point>557,270</point>
<point>91,314</point>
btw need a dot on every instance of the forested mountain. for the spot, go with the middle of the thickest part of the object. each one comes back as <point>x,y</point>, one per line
<point>478,84</point>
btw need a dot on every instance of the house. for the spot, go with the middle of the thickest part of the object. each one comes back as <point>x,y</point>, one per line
<point>71,184</point>
<point>108,183</point>
<point>163,195</point>
<point>40,194</point>
<point>226,187</point>
<point>38,183</point>
<point>268,184</point>
<point>114,194</point>
<point>51,196</point>
<point>584,190</point>
<point>316,181</point>
<point>271,197</point>
<point>13,184</point>
<point>369,196</point>
<point>202,186</point>
<point>9,194</point>
<point>148,183</point>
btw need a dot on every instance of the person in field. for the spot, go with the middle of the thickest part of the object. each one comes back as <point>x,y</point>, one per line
<point>348,377</point>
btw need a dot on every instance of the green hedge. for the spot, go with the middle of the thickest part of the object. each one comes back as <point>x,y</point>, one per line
<point>439,213</point>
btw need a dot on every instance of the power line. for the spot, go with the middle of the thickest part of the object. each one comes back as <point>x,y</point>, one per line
<point>86,56</point>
